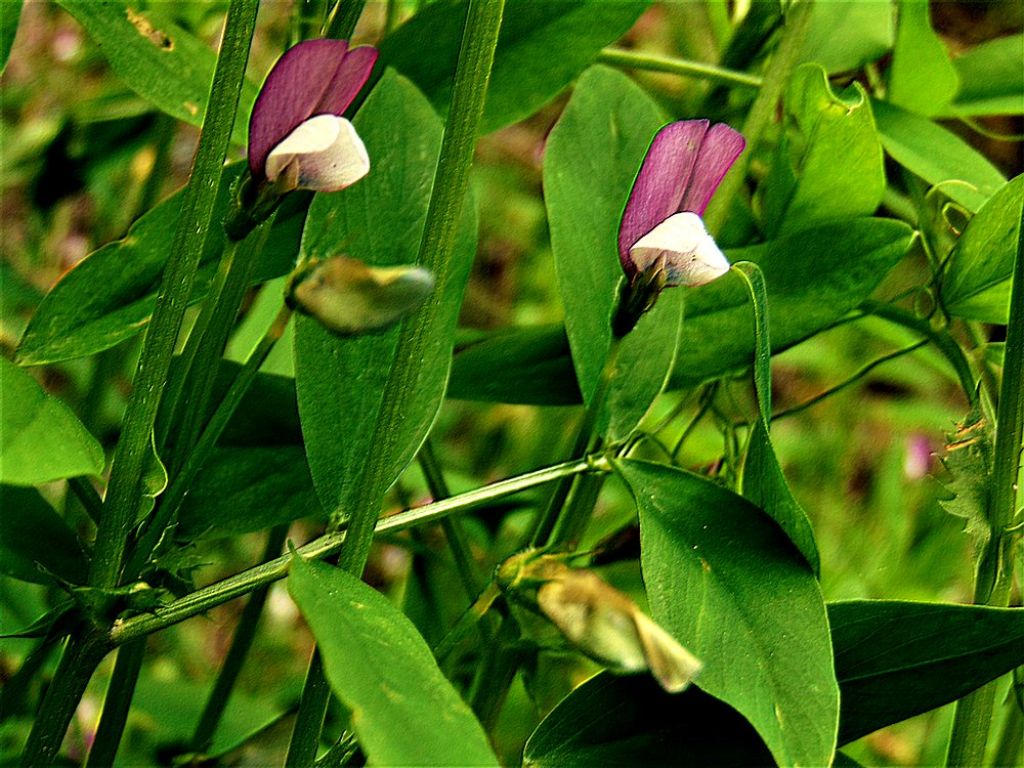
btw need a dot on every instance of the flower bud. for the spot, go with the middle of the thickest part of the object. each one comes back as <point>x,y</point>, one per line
<point>599,620</point>
<point>350,298</point>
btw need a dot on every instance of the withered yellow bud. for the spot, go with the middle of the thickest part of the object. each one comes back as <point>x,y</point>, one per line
<point>598,619</point>
<point>349,297</point>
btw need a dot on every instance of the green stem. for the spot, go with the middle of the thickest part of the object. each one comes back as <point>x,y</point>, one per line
<point>78,662</point>
<point>116,703</point>
<point>241,643</point>
<point>179,275</point>
<point>753,278</point>
<point>651,63</point>
<point>171,501</point>
<point>343,19</point>
<point>461,551</point>
<point>88,496</point>
<point>942,341</point>
<point>222,308</point>
<point>451,183</point>
<point>857,376</point>
<point>762,111</point>
<point>1010,750</point>
<point>555,526</point>
<point>973,716</point>
<point>209,597</point>
<point>309,721</point>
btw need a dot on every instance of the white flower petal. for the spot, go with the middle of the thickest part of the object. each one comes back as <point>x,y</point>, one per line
<point>327,152</point>
<point>683,248</point>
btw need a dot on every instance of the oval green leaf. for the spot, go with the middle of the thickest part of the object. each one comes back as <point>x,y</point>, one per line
<point>921,78</point>
<point>592,156</point>
<point>35,541</point>
<point>404,710</point>
<point>166,65</point>
<point>832,167</point>
<point>109,296</point>
<point>340,381</point>
<point>612,720</point>
<point>41,440</point>
<point>937,156</point>
<point>726,581</point>
<point>896,659</point>
<point>977,280</point>
<point>814,277</point>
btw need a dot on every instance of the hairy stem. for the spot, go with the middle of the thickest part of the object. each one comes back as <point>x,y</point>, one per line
<point>973,715</point>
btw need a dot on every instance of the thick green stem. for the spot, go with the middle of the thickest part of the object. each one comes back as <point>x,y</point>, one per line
<point>204,599</point>
<point>179,275</point>
<point>80,658</point>
<point>973,717</point>
<point>451,183</point>
<point>762,111</point>
<point>116,703</point>
<point>652,63</point>
<point>241,643</point>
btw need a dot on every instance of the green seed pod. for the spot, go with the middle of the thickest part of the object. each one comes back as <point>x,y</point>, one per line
<point>350,298</point>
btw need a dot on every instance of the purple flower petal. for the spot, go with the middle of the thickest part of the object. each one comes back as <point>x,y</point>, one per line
<point>661,184</point>
<point>721,146</point>
<point>351,75</point>
<point>311,78</point>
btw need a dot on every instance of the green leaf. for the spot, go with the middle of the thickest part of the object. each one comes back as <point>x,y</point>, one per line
<point>35,541</point>
<point>977,280</point>
<point>170,709</point>
<point>765,486</point>
<point>41,440</point>
<point>897,659</point>
<point>241,490</point>
<point>922,79</point>
<point>519,365</point>
<point>726,581</point>
<point>937,156</point>
<point>10,11</point>
<point>340,381</point>
<point>991,78</point>
<point>814,277</point>
<point>603,134</point>
<point>404,710</point>
<point>163,63</point>
<point>526,75</point>
<point>832,167</point>
<point>843,36</point>
<point>645,360</point>
<point>612,720</point>
<point>110,295</point>
<point>968,458</point>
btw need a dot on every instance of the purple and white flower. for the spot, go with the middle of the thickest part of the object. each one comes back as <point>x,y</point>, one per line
<point>297,135</point>
<point>661,233</point>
